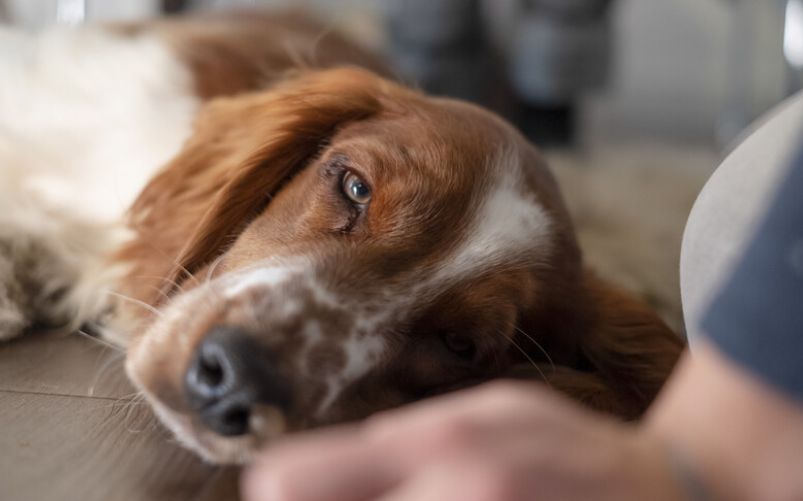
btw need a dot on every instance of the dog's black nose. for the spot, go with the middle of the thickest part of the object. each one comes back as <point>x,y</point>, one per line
<point>230,374</point>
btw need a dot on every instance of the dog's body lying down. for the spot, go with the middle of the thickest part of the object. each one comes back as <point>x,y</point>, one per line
<point>301,248</point>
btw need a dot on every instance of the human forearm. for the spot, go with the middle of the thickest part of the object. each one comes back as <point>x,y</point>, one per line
<point>744,441</point>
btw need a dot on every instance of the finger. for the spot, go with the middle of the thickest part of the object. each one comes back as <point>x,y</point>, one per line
<point>350,464</point>
<point>481,412</point>
<point>430,485</point>
<point>466,480</point>
<point>334,465</point>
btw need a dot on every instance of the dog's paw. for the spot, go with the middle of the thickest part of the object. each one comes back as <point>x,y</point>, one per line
<point>52,267</point>
<point>13,316</point>
<point>34,282</point>
<point>12,320</point>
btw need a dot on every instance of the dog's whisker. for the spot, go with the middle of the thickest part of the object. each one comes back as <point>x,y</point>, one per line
<point>156,277</point>
<point>124,402</point>
<point>178,266</point>
<point>135,301</point>
<point>160,291</point>
<point>537,345</point>
<point>212,269</point>
<point>166,280</point>
<point>189,275</point>
<point>208,279</point>
<point>527,356</point>
<point>133,397</point>
<point>105,367</point>
<point>116,405</point>
<point>146,419</point>
<point>100,341</point>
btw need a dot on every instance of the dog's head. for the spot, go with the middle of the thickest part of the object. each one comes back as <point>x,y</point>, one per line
<point>339,245</point>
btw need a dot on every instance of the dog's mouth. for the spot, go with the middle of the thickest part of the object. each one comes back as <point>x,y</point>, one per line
<point>266,424</point>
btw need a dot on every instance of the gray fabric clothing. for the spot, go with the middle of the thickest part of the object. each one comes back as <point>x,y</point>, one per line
<point>757,318</point>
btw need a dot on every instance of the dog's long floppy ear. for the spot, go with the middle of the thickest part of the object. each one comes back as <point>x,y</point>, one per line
<point>625,353</point>
<point>241,152</point>
<point>629,346</point>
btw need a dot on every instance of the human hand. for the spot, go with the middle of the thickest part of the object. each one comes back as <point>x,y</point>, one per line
<point>503,441</point>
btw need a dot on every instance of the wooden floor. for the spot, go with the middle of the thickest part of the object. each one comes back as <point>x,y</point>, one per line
<point>72,429</point>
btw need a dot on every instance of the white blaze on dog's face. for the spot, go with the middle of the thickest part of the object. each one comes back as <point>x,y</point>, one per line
<point>354,246</point>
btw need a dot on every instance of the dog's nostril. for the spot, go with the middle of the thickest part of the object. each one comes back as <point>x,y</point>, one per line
<point>234,421</point>
<point>210,370</point>
<point>207,376</point>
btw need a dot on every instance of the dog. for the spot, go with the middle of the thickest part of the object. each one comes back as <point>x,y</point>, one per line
<point>280,247</point>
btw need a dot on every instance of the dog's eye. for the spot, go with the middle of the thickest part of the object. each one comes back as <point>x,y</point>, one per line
<point>356,189</point>
<point>461,346</point>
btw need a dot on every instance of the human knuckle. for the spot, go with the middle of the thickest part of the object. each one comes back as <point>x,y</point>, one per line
<point>278,481</point>
<point>454,434</point>
<point>379,423</point>
<point>508,393</point>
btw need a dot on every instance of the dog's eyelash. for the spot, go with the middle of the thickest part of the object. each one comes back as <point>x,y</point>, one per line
<point>336,166</point>
<point>355,212</point>
<point>335,171</point>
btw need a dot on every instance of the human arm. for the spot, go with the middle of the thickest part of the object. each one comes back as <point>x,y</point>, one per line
<point>509,441</point>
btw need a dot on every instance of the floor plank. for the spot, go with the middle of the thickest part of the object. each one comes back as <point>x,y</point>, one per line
<point>62,365</point>
<point>60,439</point>
<point>57,447</point>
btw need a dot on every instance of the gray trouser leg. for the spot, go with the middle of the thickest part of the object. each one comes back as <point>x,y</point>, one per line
<point>732,202</point>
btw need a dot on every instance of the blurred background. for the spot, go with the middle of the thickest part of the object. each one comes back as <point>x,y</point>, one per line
<point>634,101</point>
<point>684,70</point>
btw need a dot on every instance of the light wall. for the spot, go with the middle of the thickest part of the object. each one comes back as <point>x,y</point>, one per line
<point>689,70</point>
<point>692,69</point>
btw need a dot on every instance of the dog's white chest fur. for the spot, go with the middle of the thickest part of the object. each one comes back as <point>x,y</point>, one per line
<point>87,116</point>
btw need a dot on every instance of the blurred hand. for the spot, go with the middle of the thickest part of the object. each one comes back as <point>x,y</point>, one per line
<point>504,441</point>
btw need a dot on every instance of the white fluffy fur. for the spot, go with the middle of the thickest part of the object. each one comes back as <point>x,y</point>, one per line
<point>90,112</point>
<point>51,268</point>
<point>508,223</point>
<point>86,117</point>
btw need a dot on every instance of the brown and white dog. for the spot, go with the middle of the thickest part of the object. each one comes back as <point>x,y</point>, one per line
<point>302,247</point>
